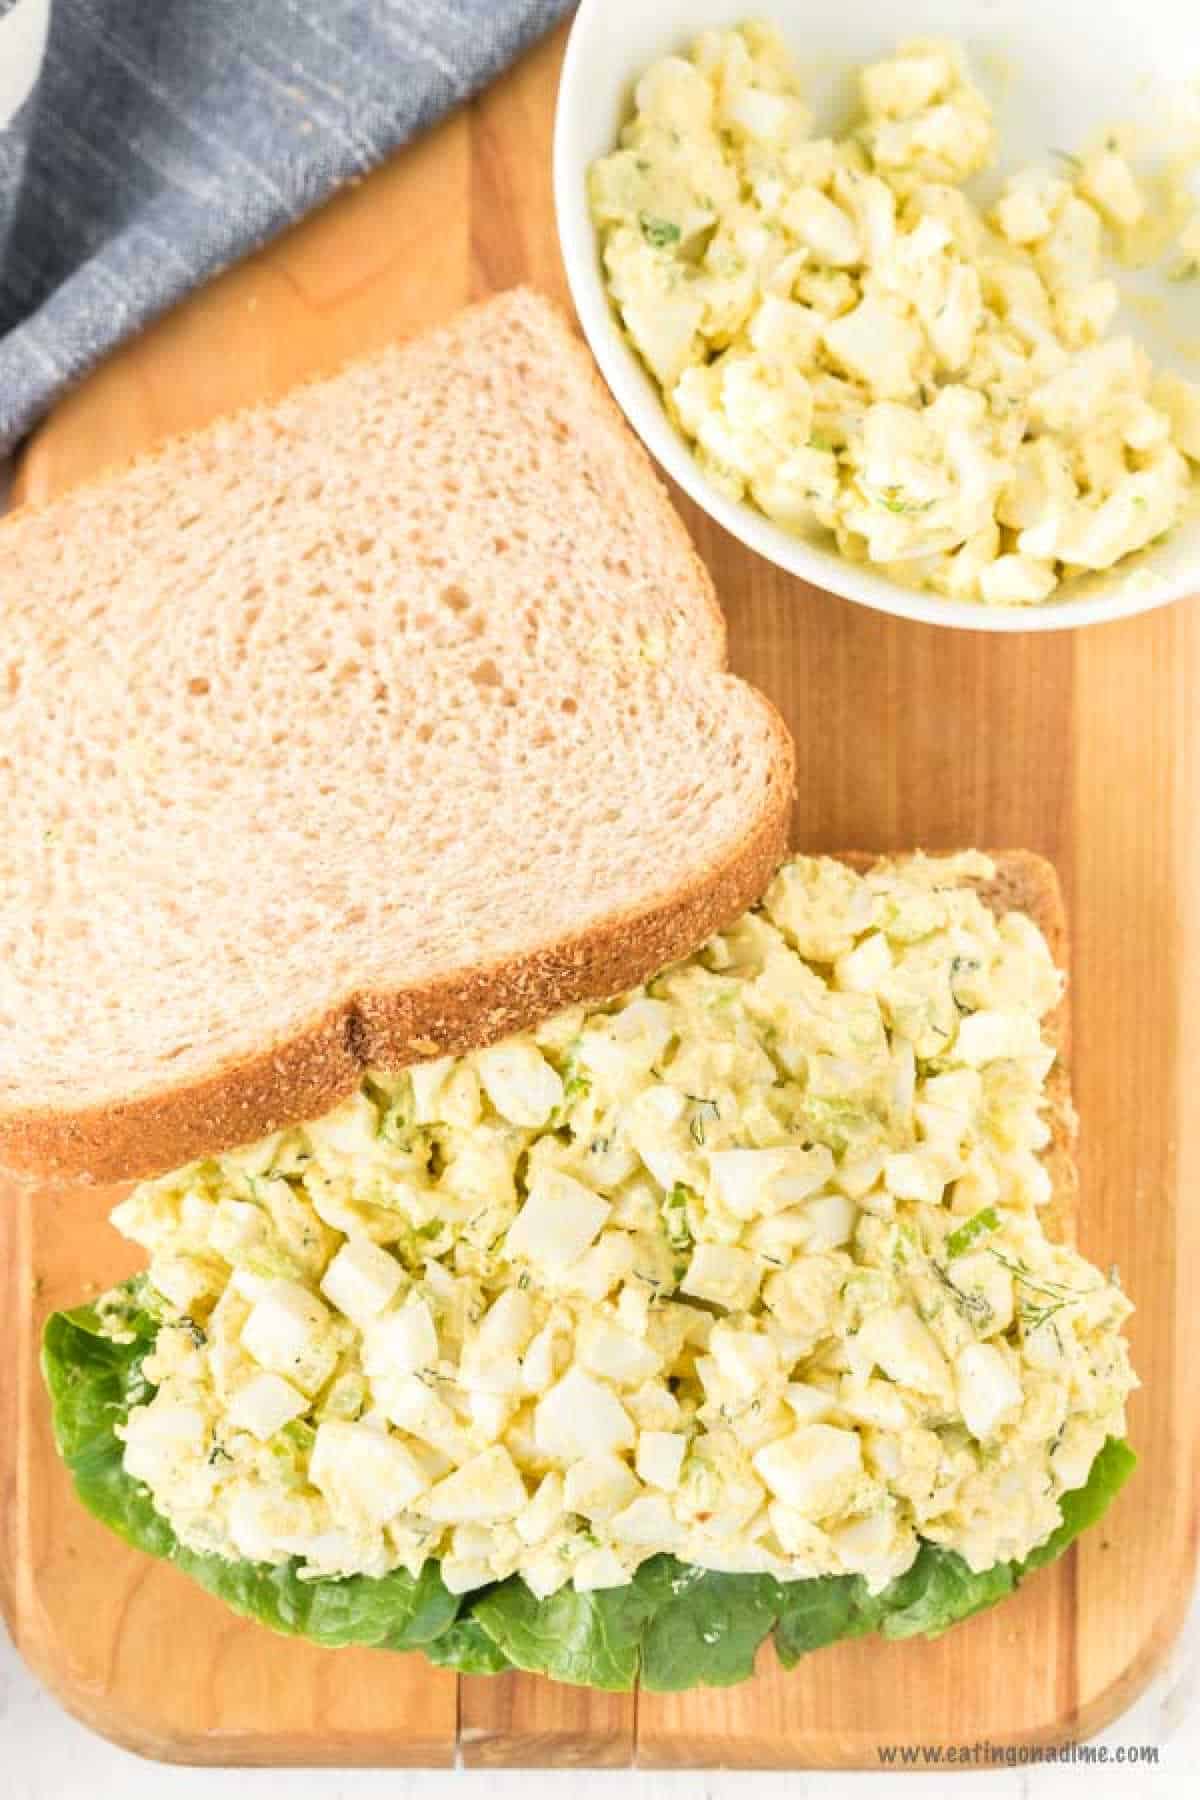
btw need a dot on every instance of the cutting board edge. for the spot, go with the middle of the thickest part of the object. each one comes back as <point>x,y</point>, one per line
<point>547,1750</point>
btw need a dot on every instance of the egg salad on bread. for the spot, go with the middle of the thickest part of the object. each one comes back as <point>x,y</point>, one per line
<point>852,343</point>
<point>742,1274</point>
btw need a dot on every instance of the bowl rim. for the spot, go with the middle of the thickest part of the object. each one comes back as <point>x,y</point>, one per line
<point>632,389</point>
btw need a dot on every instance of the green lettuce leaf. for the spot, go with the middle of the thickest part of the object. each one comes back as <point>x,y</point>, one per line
<point>674,1626</point>
<point>704,1626</point>
<point>93,1383</point>
<point>466,1647</point>
<point>823,1611</point>
<point>589,1640</point>
<point>938,1591</point>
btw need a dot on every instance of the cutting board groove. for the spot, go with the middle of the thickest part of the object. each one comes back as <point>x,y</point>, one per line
<point>1084,747</point>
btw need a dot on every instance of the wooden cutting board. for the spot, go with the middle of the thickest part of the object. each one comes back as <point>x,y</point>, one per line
<point>1083,746</point>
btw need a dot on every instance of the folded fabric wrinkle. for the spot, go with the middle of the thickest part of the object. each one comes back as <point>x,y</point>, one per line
<point>146,144</point>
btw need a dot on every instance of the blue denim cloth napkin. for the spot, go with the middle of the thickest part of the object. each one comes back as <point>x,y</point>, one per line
<point>144,144</point>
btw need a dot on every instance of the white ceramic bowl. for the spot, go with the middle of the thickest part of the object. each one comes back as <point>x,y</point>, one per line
<point>1058,73</point>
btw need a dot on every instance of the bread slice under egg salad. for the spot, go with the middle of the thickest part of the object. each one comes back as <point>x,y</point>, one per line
<point>737,1305</point>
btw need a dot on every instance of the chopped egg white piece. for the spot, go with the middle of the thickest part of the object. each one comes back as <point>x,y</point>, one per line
<point>363,1471</point>
<point>557,1222</point>
<point>401,1342</point>
<point>853,347</point>
<point>766,1287</point>
<point>287,1332</point>
<point>660,1457</point>
<point>987,1388</point>
<point>265,1404</point>
<point>486,1488</point>
<point>814,1470</point>
<point>580,1415</point>
<point>522,1086</point>
<point>361,1280</point>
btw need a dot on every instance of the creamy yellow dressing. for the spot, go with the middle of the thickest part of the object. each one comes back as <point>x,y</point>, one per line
<point>746,1266</point>
<point>848,342</point>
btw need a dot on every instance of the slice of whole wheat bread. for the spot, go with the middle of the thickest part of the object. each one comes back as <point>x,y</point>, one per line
<point>375,723</point>
<point>1026,882</point>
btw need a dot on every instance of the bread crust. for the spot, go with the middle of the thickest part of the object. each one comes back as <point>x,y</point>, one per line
<point>389,1029</point>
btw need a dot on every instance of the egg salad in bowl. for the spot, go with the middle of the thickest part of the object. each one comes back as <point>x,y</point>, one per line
<point>741,1279</point>
<point>858,348</point>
